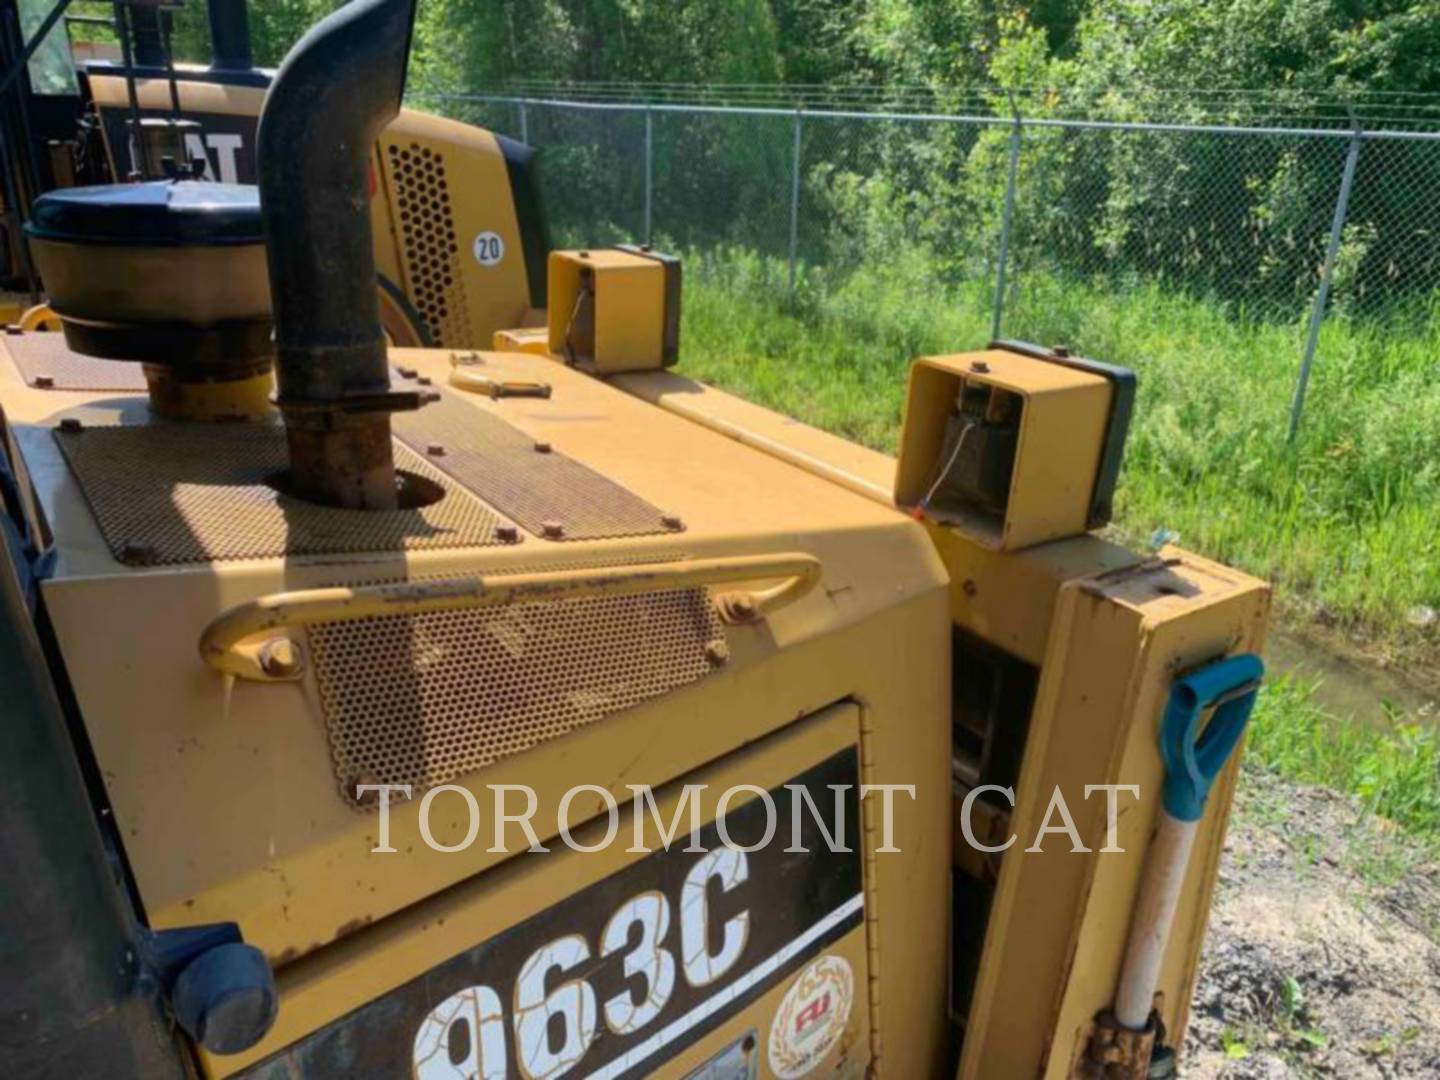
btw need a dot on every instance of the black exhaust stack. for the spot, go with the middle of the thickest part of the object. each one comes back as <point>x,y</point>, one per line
<point>338,87</point>
<point>230,36</point>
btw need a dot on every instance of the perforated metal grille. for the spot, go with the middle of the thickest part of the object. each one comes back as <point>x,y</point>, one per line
<point>47,363</point>
<point>500,463</point>
<point>180,493</point>
<point>425,699</point>
<point>427,229</point>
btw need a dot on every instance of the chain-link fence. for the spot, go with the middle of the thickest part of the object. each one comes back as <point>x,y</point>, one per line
<point>1282,224</point>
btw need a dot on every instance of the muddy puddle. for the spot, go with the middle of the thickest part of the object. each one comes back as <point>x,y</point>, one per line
<point>1347,688</point>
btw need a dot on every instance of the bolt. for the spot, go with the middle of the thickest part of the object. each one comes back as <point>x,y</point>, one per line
<point>279,658</point>
<point>136,554</point>
<point>553,529</point>
<point>43,382</point>
<point>429,397</point>
<point>717,652</point>
<point>980,367</point>
<point>423,380</point>
<point>435,449</point>
<point>584,254</point>
<point>740,607</point>
<point>969,588</point>
<point>1059,350</point>
<point>507,534</point>
<point>71,426</point>
<point>542,448</point>
<point>406,372</point>
<point>672,521</point>
<point>13,328</point>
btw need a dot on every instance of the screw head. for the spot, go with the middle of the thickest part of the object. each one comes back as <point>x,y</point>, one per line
<point>969,588</point>
<point>543,448</point>
<point>980,367</point>
<point>280,657</point>
<point>435,449</point>
<point>44,382</point>
<point>71,426</point>
<point>717,652</point>
<point>553,529</point>
<point>507,534</point>
<point>406,372</point>
<point>672,521</point>
<point>740,607</point>
<point>423,380</point>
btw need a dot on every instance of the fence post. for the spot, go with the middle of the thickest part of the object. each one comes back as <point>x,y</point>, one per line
<point>524,122</point>
<point>795,200</point>
<point>1005,219</point>
<point>649,172</point>
<point>1322,295</point>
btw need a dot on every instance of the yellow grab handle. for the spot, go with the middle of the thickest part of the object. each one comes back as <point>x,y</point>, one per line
<point>224,645</point>
<point>473,381</point>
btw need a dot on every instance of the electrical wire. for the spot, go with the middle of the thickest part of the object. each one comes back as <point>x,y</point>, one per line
<point>945,472</point>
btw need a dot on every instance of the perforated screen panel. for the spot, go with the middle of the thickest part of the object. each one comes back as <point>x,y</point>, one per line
<point>425,699</point>
<point>180,493</point>
<point>47,363</point>
<point>421,188</point>
<point>550,494</point>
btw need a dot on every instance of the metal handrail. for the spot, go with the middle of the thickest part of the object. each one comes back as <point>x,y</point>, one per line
<point>232,643</point>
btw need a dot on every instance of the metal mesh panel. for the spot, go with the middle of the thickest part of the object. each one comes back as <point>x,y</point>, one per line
<point>426,699</point>
<point>47,363</point>
<point>432,255</point>
<point>182,493</point>
<point>549,494</point>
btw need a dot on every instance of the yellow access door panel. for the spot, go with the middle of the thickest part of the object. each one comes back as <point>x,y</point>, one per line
<point>692,954</point>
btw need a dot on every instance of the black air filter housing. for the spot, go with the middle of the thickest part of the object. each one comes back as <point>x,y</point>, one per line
<point>135,268</point>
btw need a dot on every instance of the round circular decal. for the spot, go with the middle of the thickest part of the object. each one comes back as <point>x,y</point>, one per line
<point>489,249</point>
<point>812,1017</point>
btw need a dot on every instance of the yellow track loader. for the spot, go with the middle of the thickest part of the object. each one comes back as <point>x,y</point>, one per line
<point>410,672</point>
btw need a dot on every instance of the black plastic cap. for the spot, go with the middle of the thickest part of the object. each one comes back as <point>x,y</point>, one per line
<point>160,213</point>
<point>226,999</point>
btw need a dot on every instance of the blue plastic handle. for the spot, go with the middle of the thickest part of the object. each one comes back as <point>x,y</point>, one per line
<point>1192,763</point>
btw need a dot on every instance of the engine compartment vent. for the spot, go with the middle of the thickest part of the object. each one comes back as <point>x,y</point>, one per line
<point>416,174</point>
<point>425,699</point>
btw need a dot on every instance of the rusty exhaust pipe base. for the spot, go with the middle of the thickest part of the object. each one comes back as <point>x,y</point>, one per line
<point>335,92</point>
<point>346,463</point>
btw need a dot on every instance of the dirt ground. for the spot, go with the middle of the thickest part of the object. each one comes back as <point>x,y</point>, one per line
<point>1323,956</point>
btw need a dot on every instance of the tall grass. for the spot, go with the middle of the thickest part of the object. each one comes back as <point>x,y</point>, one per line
<point>1346,522</point>
<point>1392,767</point>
